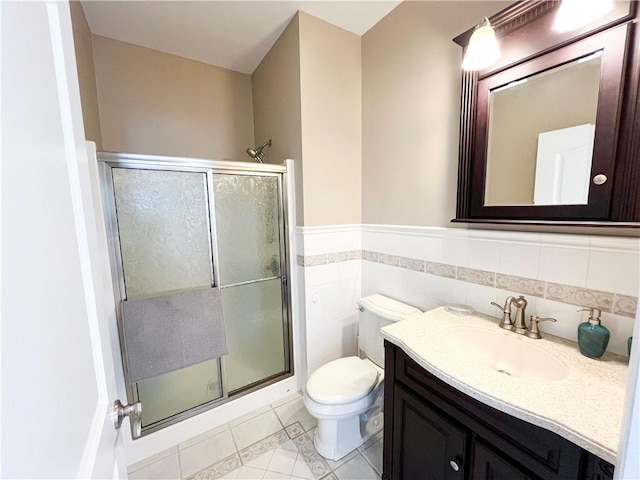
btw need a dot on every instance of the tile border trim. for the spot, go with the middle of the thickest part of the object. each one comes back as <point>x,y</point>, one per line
<point>611,302</point>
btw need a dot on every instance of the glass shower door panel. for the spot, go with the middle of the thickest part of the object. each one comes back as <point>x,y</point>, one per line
<point>247,227</point>
<point>163,222</point>
<point>255,332</point>
<point>164,231</point>
<point>247,212</point>
<point>178,391</point>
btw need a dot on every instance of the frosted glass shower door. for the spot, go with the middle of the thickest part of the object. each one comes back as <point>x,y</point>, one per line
<point>164,232</point>
<point>248,236</point>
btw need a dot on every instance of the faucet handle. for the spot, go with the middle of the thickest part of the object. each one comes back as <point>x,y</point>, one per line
<point>533,331</point>
<point>502,309</point>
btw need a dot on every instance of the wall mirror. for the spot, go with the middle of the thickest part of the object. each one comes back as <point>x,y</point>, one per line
<point>549,134</point>
<point>547,122</point>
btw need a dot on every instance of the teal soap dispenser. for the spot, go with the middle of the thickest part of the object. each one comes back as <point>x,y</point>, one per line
<point>593,338</point>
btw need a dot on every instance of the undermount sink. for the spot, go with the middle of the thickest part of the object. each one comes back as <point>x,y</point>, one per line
<point>505,352</point>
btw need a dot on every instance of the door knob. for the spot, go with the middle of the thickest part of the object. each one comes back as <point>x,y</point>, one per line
<point>454,466</point>
<point>133,411</point>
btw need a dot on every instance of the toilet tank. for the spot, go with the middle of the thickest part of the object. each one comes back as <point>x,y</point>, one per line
<point>377,311</point>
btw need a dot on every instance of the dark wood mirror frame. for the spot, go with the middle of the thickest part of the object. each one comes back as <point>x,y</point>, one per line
<point>529,45</point>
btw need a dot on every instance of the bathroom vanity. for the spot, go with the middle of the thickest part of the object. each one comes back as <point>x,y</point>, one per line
<point>458,413</point>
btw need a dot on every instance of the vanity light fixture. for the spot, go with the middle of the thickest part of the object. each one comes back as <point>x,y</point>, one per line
<point>483,49</point>
<point>573,14</point>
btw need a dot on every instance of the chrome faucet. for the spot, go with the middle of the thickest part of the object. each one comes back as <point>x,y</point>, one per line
<point>506,321</point>
<point>519,325</point>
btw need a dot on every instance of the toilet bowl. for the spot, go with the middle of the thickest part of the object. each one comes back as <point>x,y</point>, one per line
<point>346,395</point>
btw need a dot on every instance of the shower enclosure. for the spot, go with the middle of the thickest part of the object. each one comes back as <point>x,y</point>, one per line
<point>177,224</point>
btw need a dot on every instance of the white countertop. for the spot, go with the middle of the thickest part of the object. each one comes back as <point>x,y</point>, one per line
<point>585,407</point>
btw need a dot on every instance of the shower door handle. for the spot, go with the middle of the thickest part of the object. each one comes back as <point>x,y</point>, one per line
<point>133,411</point>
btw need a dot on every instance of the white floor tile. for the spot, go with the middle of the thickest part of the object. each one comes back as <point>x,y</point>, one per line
<point>256,429</point>
<point>295,411</point>
<point>356,469</point>
<point>207,452</point>
<point>275,476</point>
<point>302,470</point>
<point>163,469</point>
<point>283,461</point>
<point>262,461</point>
<point>289,445</point>
<point>373,454</point>
<point>152,459</point>
<point>232,475</point>
<point>250,473</point>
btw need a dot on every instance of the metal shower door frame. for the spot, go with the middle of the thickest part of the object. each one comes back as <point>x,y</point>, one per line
<point>106,162</point>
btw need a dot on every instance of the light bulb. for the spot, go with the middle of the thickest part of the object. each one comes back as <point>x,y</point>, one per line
<point>483,49</point>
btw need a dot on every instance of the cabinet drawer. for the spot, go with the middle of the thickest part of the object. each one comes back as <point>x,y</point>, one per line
<point>543,452</point>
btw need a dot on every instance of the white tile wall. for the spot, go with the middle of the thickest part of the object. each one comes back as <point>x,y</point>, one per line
<point>330,294</point>
<point>623,265</point>
<point>610,264</point>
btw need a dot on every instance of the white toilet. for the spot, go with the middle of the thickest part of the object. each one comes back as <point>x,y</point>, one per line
<point>345,395</point>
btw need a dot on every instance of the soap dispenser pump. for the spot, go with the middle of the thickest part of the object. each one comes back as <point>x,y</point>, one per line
<point>592,337</point>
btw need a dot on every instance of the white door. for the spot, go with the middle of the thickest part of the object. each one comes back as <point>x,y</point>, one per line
<point>58,382</point>
<point>563,166</point>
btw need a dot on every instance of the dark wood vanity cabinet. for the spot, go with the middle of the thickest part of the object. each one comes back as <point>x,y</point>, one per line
<point>432,431</point>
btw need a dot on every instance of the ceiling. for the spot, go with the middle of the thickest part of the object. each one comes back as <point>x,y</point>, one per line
<point>234,34</point>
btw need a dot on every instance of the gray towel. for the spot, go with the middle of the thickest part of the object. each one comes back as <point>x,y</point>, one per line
<point>166,333</point>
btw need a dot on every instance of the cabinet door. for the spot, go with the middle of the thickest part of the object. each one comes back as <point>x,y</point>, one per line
<point>427,445</point>
<point>597,469</point>
<point>488,465</point>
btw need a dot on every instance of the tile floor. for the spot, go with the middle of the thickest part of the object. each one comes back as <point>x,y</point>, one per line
<point>274,442</point>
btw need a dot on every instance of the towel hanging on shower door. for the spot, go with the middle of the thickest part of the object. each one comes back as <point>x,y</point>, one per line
<point>170,332</point>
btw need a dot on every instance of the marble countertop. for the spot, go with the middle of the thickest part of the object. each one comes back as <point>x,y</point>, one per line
<point>585,407</point>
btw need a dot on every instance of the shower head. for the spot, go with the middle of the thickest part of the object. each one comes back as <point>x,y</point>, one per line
<point>258,153</point>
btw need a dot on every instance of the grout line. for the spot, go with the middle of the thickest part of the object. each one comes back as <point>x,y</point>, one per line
<point>180,465</point>
<point>370,464</point>
<point>235,443</point>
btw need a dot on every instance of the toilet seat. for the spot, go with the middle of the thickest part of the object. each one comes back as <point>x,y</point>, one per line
<point>342,381</point>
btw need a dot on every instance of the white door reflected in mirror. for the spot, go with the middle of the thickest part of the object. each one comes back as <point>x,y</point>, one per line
<point>563,166</point>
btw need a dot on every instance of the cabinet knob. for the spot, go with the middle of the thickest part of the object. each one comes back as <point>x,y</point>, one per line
<point>600,179</point>
<point>454,466</point>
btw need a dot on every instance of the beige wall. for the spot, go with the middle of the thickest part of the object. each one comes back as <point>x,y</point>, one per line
<point>551,101</point>
<point>86,74</point>
<point>276,105</point>
<point>330,80</point>
<point>410,111</point>
<point>153,102</point>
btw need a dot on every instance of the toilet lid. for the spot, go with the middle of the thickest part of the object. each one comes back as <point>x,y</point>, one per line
<point>342,381</point>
